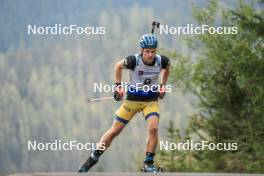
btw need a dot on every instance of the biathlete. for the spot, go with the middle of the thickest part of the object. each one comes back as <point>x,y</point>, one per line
<point>144,70</point>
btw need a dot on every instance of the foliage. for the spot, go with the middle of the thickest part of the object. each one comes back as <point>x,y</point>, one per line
<point>226,74</point>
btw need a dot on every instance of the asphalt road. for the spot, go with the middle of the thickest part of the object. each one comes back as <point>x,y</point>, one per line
<point>129,174</point>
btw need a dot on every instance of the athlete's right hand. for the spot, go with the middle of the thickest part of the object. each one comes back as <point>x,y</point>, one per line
<point>119,92</point>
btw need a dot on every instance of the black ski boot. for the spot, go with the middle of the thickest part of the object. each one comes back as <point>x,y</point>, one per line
<point>90,162</point>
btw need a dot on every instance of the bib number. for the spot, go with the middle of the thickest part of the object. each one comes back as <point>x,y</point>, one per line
<point>147,81</point>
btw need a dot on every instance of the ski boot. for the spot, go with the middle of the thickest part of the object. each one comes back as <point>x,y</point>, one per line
<point>86,165</point>
<point>149,167</point>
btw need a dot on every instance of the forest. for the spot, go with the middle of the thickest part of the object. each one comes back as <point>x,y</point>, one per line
<point>45,80</point>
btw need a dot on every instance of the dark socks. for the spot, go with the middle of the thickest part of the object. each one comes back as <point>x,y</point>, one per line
<point>149,157</point>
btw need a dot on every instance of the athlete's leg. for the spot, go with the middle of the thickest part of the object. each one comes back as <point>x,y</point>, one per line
<point>151,113</point>
<point>152,139</point>
<point>123,115</point>
<point>104,143</point>
<point>110,134</point>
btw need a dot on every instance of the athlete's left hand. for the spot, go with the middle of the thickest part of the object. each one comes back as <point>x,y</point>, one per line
<point>161,91</point>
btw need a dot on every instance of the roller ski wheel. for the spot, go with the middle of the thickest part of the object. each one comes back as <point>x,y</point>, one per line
<point>160,169</point>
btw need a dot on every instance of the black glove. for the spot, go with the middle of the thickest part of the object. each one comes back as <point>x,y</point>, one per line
<point>161,91</point>
<point>119,93</point>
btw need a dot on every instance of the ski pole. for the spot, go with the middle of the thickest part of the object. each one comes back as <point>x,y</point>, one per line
<point>99,99</point>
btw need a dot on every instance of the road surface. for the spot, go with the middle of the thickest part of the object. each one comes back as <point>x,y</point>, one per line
<point>130,174</point>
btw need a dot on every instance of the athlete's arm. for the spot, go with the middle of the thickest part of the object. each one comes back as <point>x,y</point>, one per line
<point>165,71</point>
<point>127,63</point>
<point>164,75</point>
<point>118,70</point>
